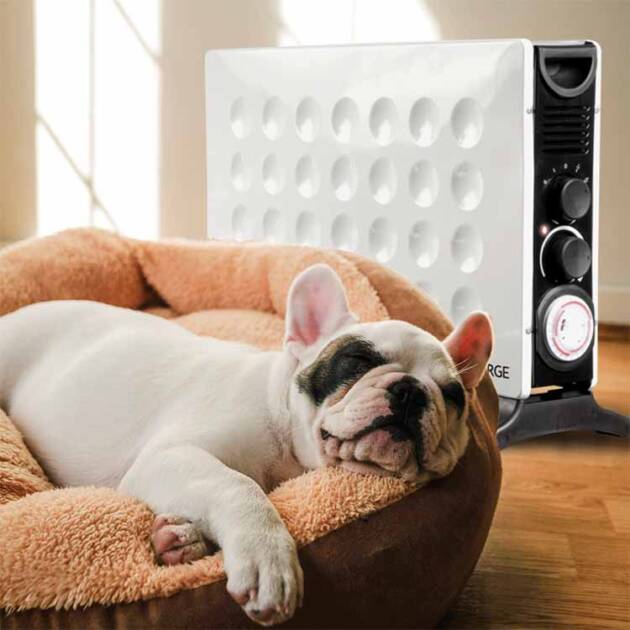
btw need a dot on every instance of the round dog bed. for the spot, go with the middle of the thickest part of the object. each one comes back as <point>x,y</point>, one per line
<point>375,551</point>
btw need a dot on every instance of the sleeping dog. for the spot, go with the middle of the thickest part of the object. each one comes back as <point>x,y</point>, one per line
<point>201,429</point>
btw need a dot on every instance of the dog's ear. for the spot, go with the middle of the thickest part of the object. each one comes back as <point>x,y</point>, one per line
<point>316,308</point>
<point>470,346</point>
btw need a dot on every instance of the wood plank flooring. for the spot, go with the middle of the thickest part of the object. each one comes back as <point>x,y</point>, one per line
<point>558,554</point>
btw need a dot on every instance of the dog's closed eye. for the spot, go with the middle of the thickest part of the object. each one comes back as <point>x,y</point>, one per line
<point>340,363</point>
<point>355,359</point>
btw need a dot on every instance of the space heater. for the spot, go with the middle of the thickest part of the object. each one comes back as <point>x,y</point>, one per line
<point>469,167</point>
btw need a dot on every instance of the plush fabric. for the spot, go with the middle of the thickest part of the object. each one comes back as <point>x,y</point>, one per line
<point>375,550</point>
<point>20,474</point>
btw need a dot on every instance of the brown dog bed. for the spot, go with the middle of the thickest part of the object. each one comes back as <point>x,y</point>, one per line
<point>375,551</point>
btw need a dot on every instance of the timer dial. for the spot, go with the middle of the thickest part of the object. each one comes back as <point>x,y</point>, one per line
<point>569,198</point>
<point>568,328</point>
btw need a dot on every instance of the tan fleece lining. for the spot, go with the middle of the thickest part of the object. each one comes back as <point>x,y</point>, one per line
<point>73,547</point>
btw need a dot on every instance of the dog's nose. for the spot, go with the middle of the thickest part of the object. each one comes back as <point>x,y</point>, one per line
<point>401,390</point>
<point>408,398</point>
<point>409,402</point>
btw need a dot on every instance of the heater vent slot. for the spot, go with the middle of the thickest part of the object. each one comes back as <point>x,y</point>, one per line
<point>566,129</point>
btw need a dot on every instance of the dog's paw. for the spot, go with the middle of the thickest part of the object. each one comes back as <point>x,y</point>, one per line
<point>265,577</point>
<point>176,540</point>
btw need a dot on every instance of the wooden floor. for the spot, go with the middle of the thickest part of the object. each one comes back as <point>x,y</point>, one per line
<point>558,554</point>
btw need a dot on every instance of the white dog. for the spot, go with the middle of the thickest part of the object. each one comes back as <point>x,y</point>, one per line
<point>200,429</point>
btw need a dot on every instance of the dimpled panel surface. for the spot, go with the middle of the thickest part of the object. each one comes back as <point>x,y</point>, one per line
<point>416,155</point>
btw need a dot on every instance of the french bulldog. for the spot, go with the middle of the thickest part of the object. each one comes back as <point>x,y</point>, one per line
<point>201,429</point>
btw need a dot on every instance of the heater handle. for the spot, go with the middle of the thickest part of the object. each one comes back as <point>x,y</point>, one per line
<point>568,70</point>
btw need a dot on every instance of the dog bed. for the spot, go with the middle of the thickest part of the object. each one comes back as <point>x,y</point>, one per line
<point>375,551</point>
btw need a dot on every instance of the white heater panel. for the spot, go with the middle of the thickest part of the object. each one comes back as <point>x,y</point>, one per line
<point>417,155</point>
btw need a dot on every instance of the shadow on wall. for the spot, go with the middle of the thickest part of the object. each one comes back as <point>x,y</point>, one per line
<point>97,86</point>
<point>117,139</point>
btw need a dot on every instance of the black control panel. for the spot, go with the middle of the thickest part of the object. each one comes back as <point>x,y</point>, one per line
<point>564,117</point>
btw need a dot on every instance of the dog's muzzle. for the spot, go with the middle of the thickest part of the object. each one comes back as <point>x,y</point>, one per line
<point>408,402</point>
<point>379,423</point>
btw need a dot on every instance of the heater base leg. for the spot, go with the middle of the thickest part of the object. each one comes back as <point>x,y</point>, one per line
<point>554,412</point>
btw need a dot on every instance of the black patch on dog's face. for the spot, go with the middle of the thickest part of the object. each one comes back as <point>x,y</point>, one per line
<point>454,393</point>
<point>342,362</point>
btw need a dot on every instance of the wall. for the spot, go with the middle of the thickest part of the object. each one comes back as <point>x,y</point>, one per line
<point>3,142</point>
<point>189,27</point>
<point>17,121</point>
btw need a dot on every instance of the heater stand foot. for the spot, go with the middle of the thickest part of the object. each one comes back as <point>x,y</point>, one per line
<point>554,412</point>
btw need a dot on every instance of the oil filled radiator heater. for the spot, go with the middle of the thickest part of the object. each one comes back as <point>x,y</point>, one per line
<point>470,167</point>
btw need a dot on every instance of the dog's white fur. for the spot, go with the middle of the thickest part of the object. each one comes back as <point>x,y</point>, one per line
<point>200,428</point>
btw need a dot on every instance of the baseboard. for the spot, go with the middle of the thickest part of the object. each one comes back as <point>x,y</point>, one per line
<point>614,305</point>
<point>614,332</point>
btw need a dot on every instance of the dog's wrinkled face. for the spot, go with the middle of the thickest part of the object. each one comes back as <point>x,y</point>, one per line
<point>384,397</point>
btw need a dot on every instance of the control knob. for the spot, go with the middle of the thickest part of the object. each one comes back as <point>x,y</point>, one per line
<point>569,198</point>
<point>566,256</point>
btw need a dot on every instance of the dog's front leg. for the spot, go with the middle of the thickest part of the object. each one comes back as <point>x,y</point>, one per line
<point>264,574</point>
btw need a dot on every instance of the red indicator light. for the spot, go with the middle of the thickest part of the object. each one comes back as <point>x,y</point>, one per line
<point>543,229</point>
